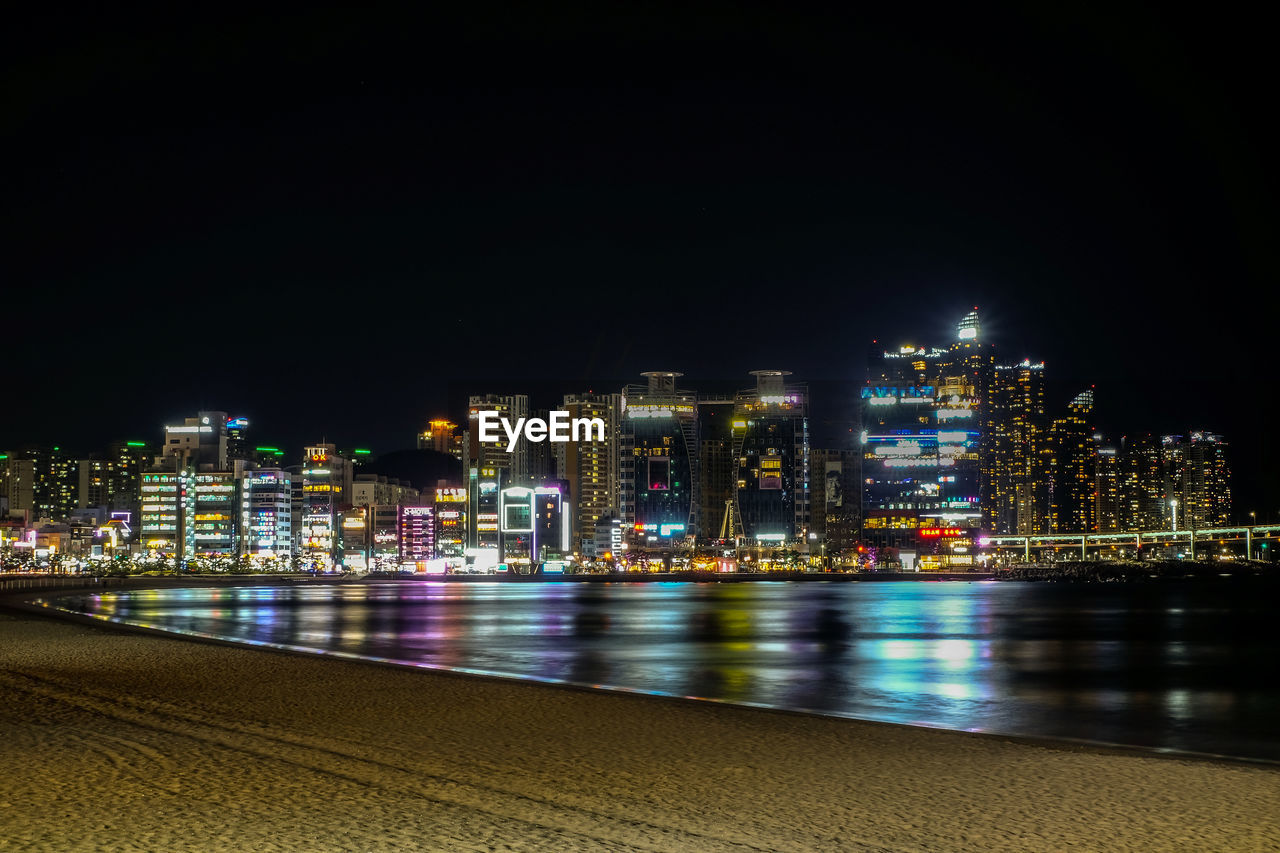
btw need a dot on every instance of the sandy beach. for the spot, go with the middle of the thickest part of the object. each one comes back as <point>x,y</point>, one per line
<point>123,740</point>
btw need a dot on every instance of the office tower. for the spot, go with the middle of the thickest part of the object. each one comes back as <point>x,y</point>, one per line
<point>442,436</point>
<point>1073,464</point>
<point>513,466</point>
<point>1107,479</point>
<point>1019,480</point>
<point>771,446</point>
<point>591,466</point>
<point>326,492</point>
<point>197,441</point>
<point>266,513</point>
<point>1198,476</point>
<point>238,446</point>
<point>658,443</point>
<point>484,492</point>
<point>835,500</point>
<point>717,470</point>
<point>1141,483</point>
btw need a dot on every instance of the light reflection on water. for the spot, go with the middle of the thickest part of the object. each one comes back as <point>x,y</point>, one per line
<point>1178,667</point>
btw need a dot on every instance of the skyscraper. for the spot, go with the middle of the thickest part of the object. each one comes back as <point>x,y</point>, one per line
<point>1073,461</point>
<point>658,444</point>
<point>771,446</point>
<point>1142,483</point>
<point>1019,492</point>
<point>1197,474</point>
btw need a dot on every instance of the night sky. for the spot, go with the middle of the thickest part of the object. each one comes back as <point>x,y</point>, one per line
<point>339,223</point>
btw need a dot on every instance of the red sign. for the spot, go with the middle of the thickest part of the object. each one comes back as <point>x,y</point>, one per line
<point>935,532</point>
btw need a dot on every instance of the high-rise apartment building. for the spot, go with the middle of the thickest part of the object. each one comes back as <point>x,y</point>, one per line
<point>1142,483</point>
<point>514,466</point>
<point>591,467</point>
<point>1018,497</point>
<point>1198,477</point>
<point>1108,501</point>
<point>1073,468</point>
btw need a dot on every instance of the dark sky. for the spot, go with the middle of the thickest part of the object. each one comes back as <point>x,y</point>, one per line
<point>340,222</point>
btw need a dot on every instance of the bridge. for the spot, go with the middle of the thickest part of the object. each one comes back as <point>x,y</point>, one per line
<point>1137,538</point>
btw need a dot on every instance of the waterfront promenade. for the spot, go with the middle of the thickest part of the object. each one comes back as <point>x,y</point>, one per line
<point>128,740</point>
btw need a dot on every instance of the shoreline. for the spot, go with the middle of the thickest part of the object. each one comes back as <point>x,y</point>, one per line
<point>448,760</point>
<point>50,611</point>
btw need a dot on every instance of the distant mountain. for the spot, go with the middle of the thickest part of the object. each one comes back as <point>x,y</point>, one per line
<point>422,468</point>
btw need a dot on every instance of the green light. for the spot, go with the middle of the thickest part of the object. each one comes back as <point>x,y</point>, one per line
<point>57,448</point>
<point>4,455</point>
<point>135,444</point>
<point>363,452</point>
<point>267,449</point>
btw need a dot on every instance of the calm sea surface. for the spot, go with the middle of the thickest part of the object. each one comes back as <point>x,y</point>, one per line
<point>1183,667</point>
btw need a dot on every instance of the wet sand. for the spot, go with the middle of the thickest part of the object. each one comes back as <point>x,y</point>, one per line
<point>123,740</point>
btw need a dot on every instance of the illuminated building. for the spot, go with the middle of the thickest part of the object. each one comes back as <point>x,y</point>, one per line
<point>268,457</point>
<point>544,456</point>
<point>210,507</point>
<point>326,492</point>
<point>929,450</point>
<point>355,539</point>
<point>1018,463</point>
<point>482,502</point>
<point>266,513</point>
<point>658,442</point>
<point>197,441</point>
<point>451,524</point>
<point>835,499</point>
<point>717,470</point>
<point>1072,468</point>
<point>534,524</point>
<point>442,436</point>
<point>161,513</point>
<point>1196,473</point>
<point>42,482</point>
<point>113,481</point>
<point>383,522</point>
<point>369,489</point>
<point>1142,484</point>
<point>608,543</point>
<point>416,536</point>
<point>237,439</point>
<point>771,447</point>
<point>1107,478</point>
<point>591,467</point>
<point>514,466</point>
